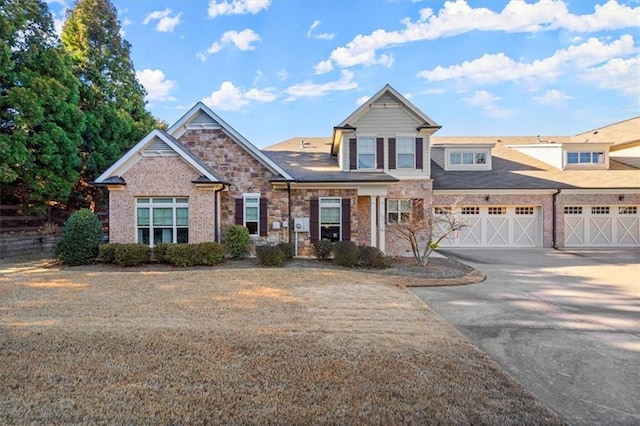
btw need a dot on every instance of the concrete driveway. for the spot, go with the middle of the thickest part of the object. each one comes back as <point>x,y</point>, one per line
<point>565,324</point>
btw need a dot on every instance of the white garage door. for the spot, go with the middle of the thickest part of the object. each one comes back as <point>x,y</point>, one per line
<point>601,226</point>
<point>498,226</point>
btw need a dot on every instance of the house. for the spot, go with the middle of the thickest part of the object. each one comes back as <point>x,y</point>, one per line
<point>381,166</point>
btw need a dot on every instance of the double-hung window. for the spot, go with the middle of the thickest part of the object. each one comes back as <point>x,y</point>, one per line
<point>366,153</point>
<point>399,211</point>
<point>406,152</point>
<point>330,219</point>
<point>252,213</point>
<point>162,220</point>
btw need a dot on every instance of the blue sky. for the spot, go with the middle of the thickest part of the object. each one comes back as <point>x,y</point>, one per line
<point>275,69</point>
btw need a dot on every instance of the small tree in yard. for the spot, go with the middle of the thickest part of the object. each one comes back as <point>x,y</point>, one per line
<point>435,226</point>
<point>81,236</point>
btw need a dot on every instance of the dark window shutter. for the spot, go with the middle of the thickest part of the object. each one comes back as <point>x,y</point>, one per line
<point>380,153</point>
<point>239,211</point>
<point>392,153</point>
<point>314,220</point>
<point>346,219</point>
<point>263,217</point>
<point>353,154</point>
<point>419,152</point>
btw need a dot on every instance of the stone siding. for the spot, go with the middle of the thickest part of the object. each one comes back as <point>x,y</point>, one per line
<point>407,189</point>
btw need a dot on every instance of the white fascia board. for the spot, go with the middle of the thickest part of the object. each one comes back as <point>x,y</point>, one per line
<point>241,140</point>
<point>601,191</point>
<point>133,156</point>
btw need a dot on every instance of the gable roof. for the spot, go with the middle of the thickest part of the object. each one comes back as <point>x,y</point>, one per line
<point>621,133</point>
<point>158,141</point>
<point>423,120</point>
<point>201,116</point>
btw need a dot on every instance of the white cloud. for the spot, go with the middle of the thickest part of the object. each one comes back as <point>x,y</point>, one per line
<point>457,17</point>
<point>166,22</point>
<point>236,7</point>
<point>552,97</point>
<point>487,103</point>
<point>617,74</point>
<point>362,99</point>
<point>321,36</point>
<point>310,89</point>
<point>498,68</point>
<point>232,98</point>
<point>323,67</point>
<point>156,84</point>
<point>241,40</point>
<point>201,56</point>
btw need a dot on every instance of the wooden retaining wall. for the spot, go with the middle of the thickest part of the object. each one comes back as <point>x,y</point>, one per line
<point>16,247</point>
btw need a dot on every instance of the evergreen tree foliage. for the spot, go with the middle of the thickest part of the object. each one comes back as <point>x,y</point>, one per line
<point>40,119</point>
<point>110,94</point>
<point>80,239</point>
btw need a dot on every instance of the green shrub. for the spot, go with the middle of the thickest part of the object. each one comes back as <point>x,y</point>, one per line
<point>181,255</point>
<point>371,257</point>
<point>323,249</point>
<point>160,252</point>
<point>346,253</point>
<point>269,255</point>
<point>237,241</point>
<point>80,239</point>
<point>287,249</point>
<point>107,253</point>
<point>209,254</point>
<point>132,254</point>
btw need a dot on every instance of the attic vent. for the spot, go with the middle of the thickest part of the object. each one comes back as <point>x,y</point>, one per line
<point>158,147</point>
<point>203,120</point>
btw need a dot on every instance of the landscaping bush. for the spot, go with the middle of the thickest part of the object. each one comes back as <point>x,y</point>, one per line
<point>288,249</point>
<point>322,249</point>
<point>237,241</point>
<point>181,255</point>
<point>160,252</point>
<point>80,239</point>
<point>371,257</point>
<point>132,254</point>
<point>107,253</point>
<point>346,253</point>
<point>269,255</point>
<point>209,254</point>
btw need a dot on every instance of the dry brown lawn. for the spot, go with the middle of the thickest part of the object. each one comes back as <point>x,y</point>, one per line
<point>238,346</point>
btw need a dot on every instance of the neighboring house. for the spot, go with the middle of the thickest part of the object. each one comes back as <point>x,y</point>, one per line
<point>382,166</point>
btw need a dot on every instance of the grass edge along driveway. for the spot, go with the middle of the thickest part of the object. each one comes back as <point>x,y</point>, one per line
<point>99,344</point>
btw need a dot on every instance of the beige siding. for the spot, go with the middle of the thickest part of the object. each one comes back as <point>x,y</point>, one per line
<point>551,155</point>
<point>437,154</point>
<point>386,121</point>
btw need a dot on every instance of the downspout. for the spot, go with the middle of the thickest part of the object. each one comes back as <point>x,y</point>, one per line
<point>554,221</point>
<point>289,218</point>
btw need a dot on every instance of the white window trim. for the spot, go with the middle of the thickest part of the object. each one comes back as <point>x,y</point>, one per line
<point>244,211</point>
<point>151,205</point>
<point>358,152</point>
<point>337,204</point>
<point>399,212</point>
<point>590,165</point>
<point>413,138</point>
<point>484,166</point>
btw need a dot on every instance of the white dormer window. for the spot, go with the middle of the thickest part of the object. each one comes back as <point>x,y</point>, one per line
<point>366,153</point>
<point>585,157</point>
<point>468,159</point>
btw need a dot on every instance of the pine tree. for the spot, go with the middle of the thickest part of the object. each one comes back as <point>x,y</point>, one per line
<point>110,94</point>
<point>40,118</point>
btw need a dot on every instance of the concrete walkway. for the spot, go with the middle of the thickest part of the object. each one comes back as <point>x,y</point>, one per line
<point>565,324</point>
